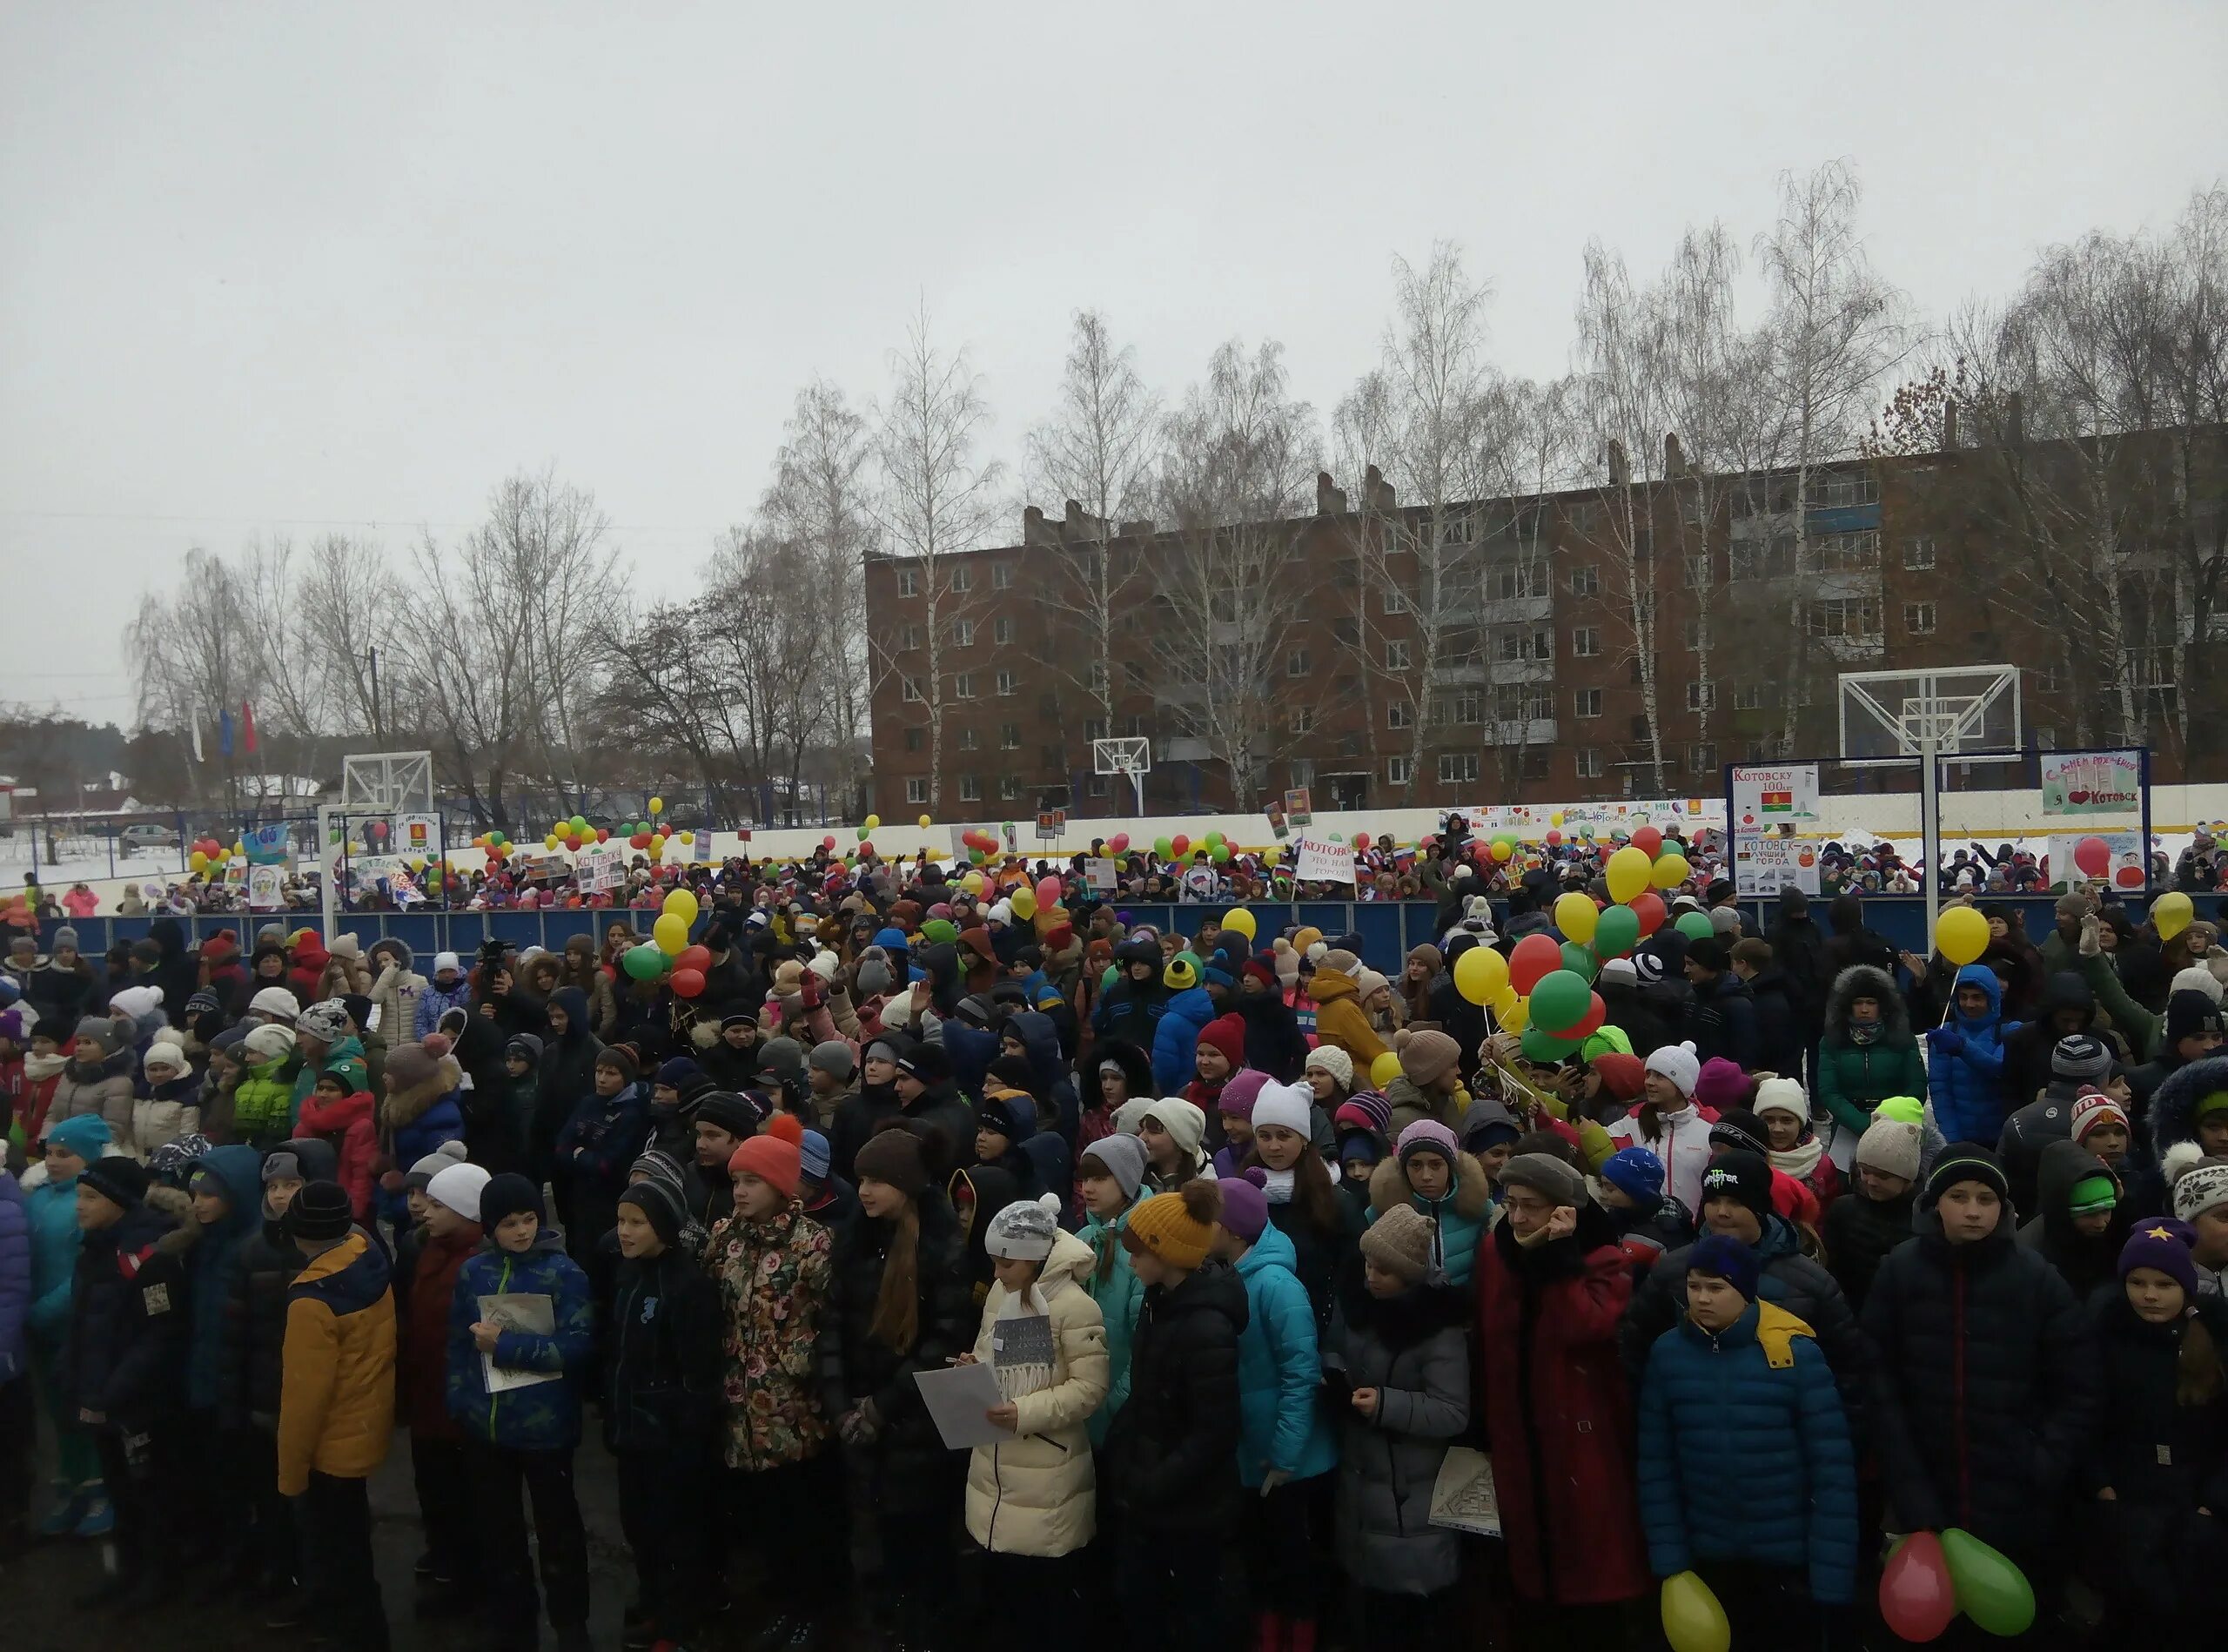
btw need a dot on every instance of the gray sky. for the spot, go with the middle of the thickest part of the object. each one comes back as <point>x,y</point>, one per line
<point>271,268</point>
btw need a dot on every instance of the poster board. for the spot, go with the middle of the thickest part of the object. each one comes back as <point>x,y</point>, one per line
<point>1318,860</point>
<point>1768,797</point>
<point>1299,810</point>
<point>600,868</point>
<point>1099,874</point>
<point>1764,864</point>
<point>2092,782</point>
<point>2125,873</point>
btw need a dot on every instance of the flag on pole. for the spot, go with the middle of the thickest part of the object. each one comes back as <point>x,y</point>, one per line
<point>247,729</point>
<point>193,722</point>
<point>225,732</point>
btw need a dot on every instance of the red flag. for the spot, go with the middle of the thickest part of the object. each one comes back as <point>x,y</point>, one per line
<point>247,727</point>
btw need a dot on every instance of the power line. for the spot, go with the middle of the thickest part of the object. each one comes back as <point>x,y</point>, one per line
<point>321,521</point>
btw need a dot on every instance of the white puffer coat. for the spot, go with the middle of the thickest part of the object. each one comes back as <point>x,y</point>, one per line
<point>1038,1493</point>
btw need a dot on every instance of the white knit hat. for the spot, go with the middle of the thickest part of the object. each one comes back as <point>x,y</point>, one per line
<point>1678,1063</point>
<point>166,1051</point>
<point>276,1002</point>
<point>2199,1184</point>
<point>2198,978</point>
<point>270,1042</point>
<point>1291,1105</point>
<point>1782,1096</point>
<point>458,1188</point>
<point>1335,1061</point>
<point>1025,1232</point>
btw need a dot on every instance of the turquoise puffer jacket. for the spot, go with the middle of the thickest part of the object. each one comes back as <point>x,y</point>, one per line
<point>1281,1426</point>
<point>1115,1287</point>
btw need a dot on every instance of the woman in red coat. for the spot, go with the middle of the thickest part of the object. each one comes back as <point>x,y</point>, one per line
<point>1551,1287</point>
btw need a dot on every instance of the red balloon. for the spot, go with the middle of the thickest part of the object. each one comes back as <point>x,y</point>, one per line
<point>1535,957</point>
<point>1648,907</point>
<point>694,958</point>
<point>1118,842</point>
<point>1178,844</point>
<point>639,839</point>
<point>2093,856</point>
<point>687,983</point>
<point>603,834</point>
<point>666,830</point>
<point>865,849</point>
<point>1361,840</point>
<point>1917,1599</point>
<point>1554,840</point>
<point>1588,1025</point>
<point>1048,891</point>
<point>828,841</point>
<point>1648,840</point>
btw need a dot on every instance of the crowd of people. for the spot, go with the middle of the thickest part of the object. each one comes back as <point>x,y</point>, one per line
<point>1810,1244</point>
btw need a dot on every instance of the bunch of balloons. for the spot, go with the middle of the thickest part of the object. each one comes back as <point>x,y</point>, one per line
<point>205,852</point>
<point>1928,1580</point>
<point>979,845</point>
<point>575,834</point>
<point>668,954</point>
<point>495,845</point>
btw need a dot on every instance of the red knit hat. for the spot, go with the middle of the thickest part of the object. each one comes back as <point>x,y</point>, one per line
<point>773,1156</point>
<point>1227,1034</point>
<point>1622,1075</point>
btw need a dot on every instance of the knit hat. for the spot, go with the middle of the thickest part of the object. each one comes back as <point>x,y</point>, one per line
<point>1738,1128</point>
<point>924,1062</point>
<point>2080,1058</point>
<point>1010,1113</point>
<point>2198,978</point>
<point>738,1018</point>
<point>268,1042</point>
<point>459,1187</point>
<point>1340,959</point>
<point>1427,1056</point>
<point>729,1111</point>
<point>1176,1227</point>
<point>1742,1176</point>
<point>1239,1093</point>
<point>98,1031</point>
<point>1288,1106</point>
<point>445,963</point>
<point>1227,1034</point>
<point>1545,1174</point>
<point>1966,1163</point>
<point>66,935</point>
<point>82,1134</point>
<point>1024,1231</point>
<point>1335,1061</point>
<point>673,1074</point>
<point>1618,972</point>
<point>1130,1117</point>
<point>833,1058</point>
<point>1720,1085</point>
<point>431,1164</point>
<point>1427,1135</point>
<point>1622,1074</point>
<point>1890,1145</point>
<point>1364,1110</point>
<point>325,1021</point>
<point>813,1156</point>
<point>1120,1156</point>
<point>893,1154</point>
<point>1245,1207</point>
<point>1678,1063</point>
<point>134,1004</point>
<point>2189,1014</point>
<point>660,1206</point>
<point>1636,1172</point>
<point>1399,1242</point>
<point>1368,983</point>
<point>774,1158</point>
<point>2092,1194</point>
<point>1182,973</point>
<point>119,1179</point>
<point>1905,1110</point>
<point>1715,1256</point>
<point>1782,1096</point>
<point>509,1194</point>
<point>524,1044</point>
<point>617,1057</point>
<point>277,1002</point>
<point>166,1052</point>
<point>410,1065</point>
<point>1182,1120</point>
<point>321,1212</point>
<point>2167,1244</point>
<point>2092,1108</point>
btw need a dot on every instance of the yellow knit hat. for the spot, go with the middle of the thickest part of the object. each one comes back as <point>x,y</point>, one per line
<point>1176,1227</point>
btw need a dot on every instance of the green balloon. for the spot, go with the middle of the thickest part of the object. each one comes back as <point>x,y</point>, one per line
<point>1991,1591</point>
<point>1578,958</point>
<point>643,963</point>
<point>1695,926</point>
<point>1106,980</point>
<point>864,834</point>
<point>1561,999</point>
<point>1218,853</point>
<point>580,823</point>
<point>1617,933</point>
<point>1162,847</point>
<point>1212,838</point>
<point>1543,1047</point>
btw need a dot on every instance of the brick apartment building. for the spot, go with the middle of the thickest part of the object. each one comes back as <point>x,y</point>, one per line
<point>1621,639</point>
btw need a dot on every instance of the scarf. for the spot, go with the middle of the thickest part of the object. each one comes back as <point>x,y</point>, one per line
<point>39,1069</point>
<point>1864,1033</point>
<point>1800,1160</point>
<point>1022,1347</point>
<point>1277,1189</point>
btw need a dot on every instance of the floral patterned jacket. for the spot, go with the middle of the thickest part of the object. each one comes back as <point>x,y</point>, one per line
<point>773,1278</point>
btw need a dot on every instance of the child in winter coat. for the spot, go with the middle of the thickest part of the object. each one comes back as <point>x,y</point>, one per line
<point>171,1106</point>
<point>1795,1149</point>
<point>421,1110</point>
<point>1113,1173</point>
<point>1284,1441</point>
<point>1867,1052</point>
<point>1964,1068</point>
<point>227,1188</point>
<point>1031,1501</point>
<point>1172,1131</point>
<point>345,1118</point>
<point>1650,1223</point>
<point>1397,1364</point>
<point>449,1577</point>
<point>263,1105</point>
<point>98,1079</point>
<point>2081,1220</point>
<point>608,1130</point>
<point>1746,1471</point>
<point>1304,1203</point>
<point>1875,1217</point>
<point>79,1505</point>
<point>520,1437</point>
<point>1429,1171</point>
<point>1667,1123</point>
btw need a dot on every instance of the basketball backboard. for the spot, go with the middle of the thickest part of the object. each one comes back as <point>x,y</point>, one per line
<point>1129,754</point>
<point>1972,712</point>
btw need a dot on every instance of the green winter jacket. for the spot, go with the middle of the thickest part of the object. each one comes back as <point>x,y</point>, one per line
<point>1113,1284</point>
<point>1854,1076</point>
<point>263,1106</point>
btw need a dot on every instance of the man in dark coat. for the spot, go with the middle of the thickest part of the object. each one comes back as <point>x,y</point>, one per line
<point>929,1100</point>
<point>1781,1042</point>
<point>2065,1007</point>
<point>1721,1019</point>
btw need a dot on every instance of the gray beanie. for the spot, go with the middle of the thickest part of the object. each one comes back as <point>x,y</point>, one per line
<point>66,937</point>
<point>1024,1230</point>
<point>326,1021</point>
<point>100,1030</point>
<point>1121,1156</point>
<point>784,1058</point>
<point>835,1058</point>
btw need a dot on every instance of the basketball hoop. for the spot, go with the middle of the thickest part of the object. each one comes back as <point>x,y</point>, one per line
<point>1125,755</point>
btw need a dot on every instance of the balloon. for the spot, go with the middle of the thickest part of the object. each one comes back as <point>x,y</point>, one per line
<point>199,861</point>
<point>498,839</point>
<point>873,822</point>
<point>1559,999</point>
<point>1917,1599</point>
<point>1590,1022</point>
<point>1693,1621</point>
<point>863,831</point>
<point>670,933</point>
<point>1517,1017</point>
<point>1272,855</point>
<point>866,851</point>
<point>639,839</point>
<point>1627,875</point>
<point>1383,1068</point>
<point>656,846</point>
<point>1118,842</point>
<point>1576,915</point>
<point>1179,845</point>
<point>1961,934</point>
<point>1649,842</point>
<point>1579,960</point>
<point>688,837</point>
<point>1670,870</point>
<point>1048,891</point>
<point>643,963</point>
<point>1695,926</point>
<point>1361,840</point>
<point>2171,913</point>
<point>1991,1591</point>
<point>924,823</point>
<point>1219,853</point>
<point>1023,902</point>
<point>550,841</point>
<point>580,824</point>
<point>1239,920</point>
<point>1502,847</point>
<point>972,882</point>
<point>687,982</point>
<point>1481,975</point>
<point>1212,838</point>
<point>1535,956</point>
<point>1553,839</point>
<point>657,805</point>
<point>603,834</point>
<point>1617,933</point>
<point>681,903</point>
<point>2093,856</point>
<point>1650,910</point>
<point>1543,1049</point>
<point>693,958</point>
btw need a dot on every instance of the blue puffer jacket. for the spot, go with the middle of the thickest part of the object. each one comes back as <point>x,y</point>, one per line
<point>215,1263</point>
<point>436,1001</point>
<point>52,1209</point>
<point>1113,1285</point>
<point>1964,1063</point>
<point>14,1277</point>
<point>1176,1039</point>
<point>543,1416</point>
<point>1278,1370</point>
<point>1745,1455</point>
<point>415,1121</point>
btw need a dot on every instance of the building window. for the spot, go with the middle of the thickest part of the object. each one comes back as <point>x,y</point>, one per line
<point>1094,728</point>
<point>1398,714</point>
<point>1001,576</point>
<point>1396,771</point>
<point>1843,617</point>
<point>1516,702</point>
<point>1002,631</point>
<point>1701,697</point>
<point>2046,678</point>
<point>1009,786</point>
<point>962,634</point>
<point>1748,696</point>
<point>1005,683</point>
<point>1589,763</point>
<point>1585,642</point>
<point>1586,703</point>
<point>910,689</point>
<point>909,582</point>
<point>1456,767</point>
<point>1098,676</point>
<point>916,788</point>
<point>916,739</point>
<point>1847,553</point>
<point>1393,601</point>
<point>1524,580</point>
<point>962,686</point>
<point>1918,618</point>
<point>1464,709</point>
<point>963,578</point>
<point>1303,720</point>
<point>1918,555</point>
<point>1099,787</point>
<point>1697,571</point>
<point>908,639</point>
<point>967,739</point>
<point>1009,736</point>
<point>971,789</point>
<point>1842,489</point>
<point>1396,655</point>
<point>1697,635</point>
<point>1769,557</point>
<point>1585,581</point>
<point>1296,663</point>
<point>1701,758</point>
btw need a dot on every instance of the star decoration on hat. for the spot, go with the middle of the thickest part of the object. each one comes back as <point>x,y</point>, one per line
<point>2156,1232</point>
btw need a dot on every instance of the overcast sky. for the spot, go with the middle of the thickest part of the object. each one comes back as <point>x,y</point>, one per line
<point>270,269</point>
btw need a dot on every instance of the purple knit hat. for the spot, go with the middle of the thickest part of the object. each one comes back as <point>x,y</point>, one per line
<point>1427,1135</point>
<point>2166,1244</point>
<point>1239,1091</point>
<point>1245,1207</point>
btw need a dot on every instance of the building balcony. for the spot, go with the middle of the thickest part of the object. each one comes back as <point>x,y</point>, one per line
<point>1516,610</point>
<point>1520,731</point>
<point>1856,649</point>
<point>1505,671</point>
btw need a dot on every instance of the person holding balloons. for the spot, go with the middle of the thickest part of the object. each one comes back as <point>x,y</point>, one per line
<point>1965,1053</point>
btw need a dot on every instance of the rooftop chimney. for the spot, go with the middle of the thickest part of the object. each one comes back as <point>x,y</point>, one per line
<point>1377,491</point>
<point>1621,470</point>
<point>1675,458</point>
<point>1330,500</point>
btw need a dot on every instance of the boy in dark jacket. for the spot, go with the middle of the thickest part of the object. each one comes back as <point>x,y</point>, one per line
<point>606,1133</point>
<point>129,1331</point>
<point>227,1190</point>
<point>448,1572</point>
<point>513,1389</point>
<point>661,1408</point>
<point>1875,1215</point>
<point>1649,1221</point>
<point>2081,1220</point>
<point>1172,1453</point>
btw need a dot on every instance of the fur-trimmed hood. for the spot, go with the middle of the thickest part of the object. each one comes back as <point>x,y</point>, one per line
<point>1863,980</point>
<point>403,1107</point>
<point>176,1204</point>
<point>1472,1194</point>
<point>2173,1105</point>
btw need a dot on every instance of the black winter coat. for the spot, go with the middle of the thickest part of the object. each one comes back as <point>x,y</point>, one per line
<point>129,1326</point>
<point>2086,1262</point>
<point>250,1357</point>
<point>1721,1021</point>
<point>1781,1041</point>
<point>857,1118</point>
<point>1274,1043</point>
<point>1983,1387</point>
<point>568,1073</point>
<point>941,1108</point>
<point>1171,1453</point>
<point>1635,1017</point>
<point>1859,1234</point>
<point>662,1349</point>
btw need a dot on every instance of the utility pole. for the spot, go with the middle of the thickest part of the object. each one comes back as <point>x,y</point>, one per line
<point>378,730</point>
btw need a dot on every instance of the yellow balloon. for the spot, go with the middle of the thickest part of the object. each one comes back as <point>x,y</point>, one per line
<point>688,837</point>
<point>419,864</point>
<point>1383,1071</point>
<point>1516,1017</point>
<point>657,805</point>
<point>239,846</point>
<point>1272,856</point>
<point>1240,919</point>
<point>1692,1620</point>
<point>1480,973</point>
<point>656,851</point>
<point>1023,902</point>
<point>924,823</point>
<point>1627,873</point>
<point>1961,934</point>
<point>1575,916</point>
<point>197,861</point>
<point>874,822</point>
<point>2172,913</point>
<point>972,882</point>
<point>1670,869</point>
<point>549,840</point>
<point>681,903</point>
<point>671,933</point>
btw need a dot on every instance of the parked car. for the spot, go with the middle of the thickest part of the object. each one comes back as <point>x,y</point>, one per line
<point>147,834</point>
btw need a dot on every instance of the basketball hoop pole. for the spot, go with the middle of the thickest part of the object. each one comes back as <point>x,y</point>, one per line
<point>1930,821</point>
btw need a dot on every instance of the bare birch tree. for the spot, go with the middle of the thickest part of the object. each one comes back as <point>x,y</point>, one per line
<point>195,655</point>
